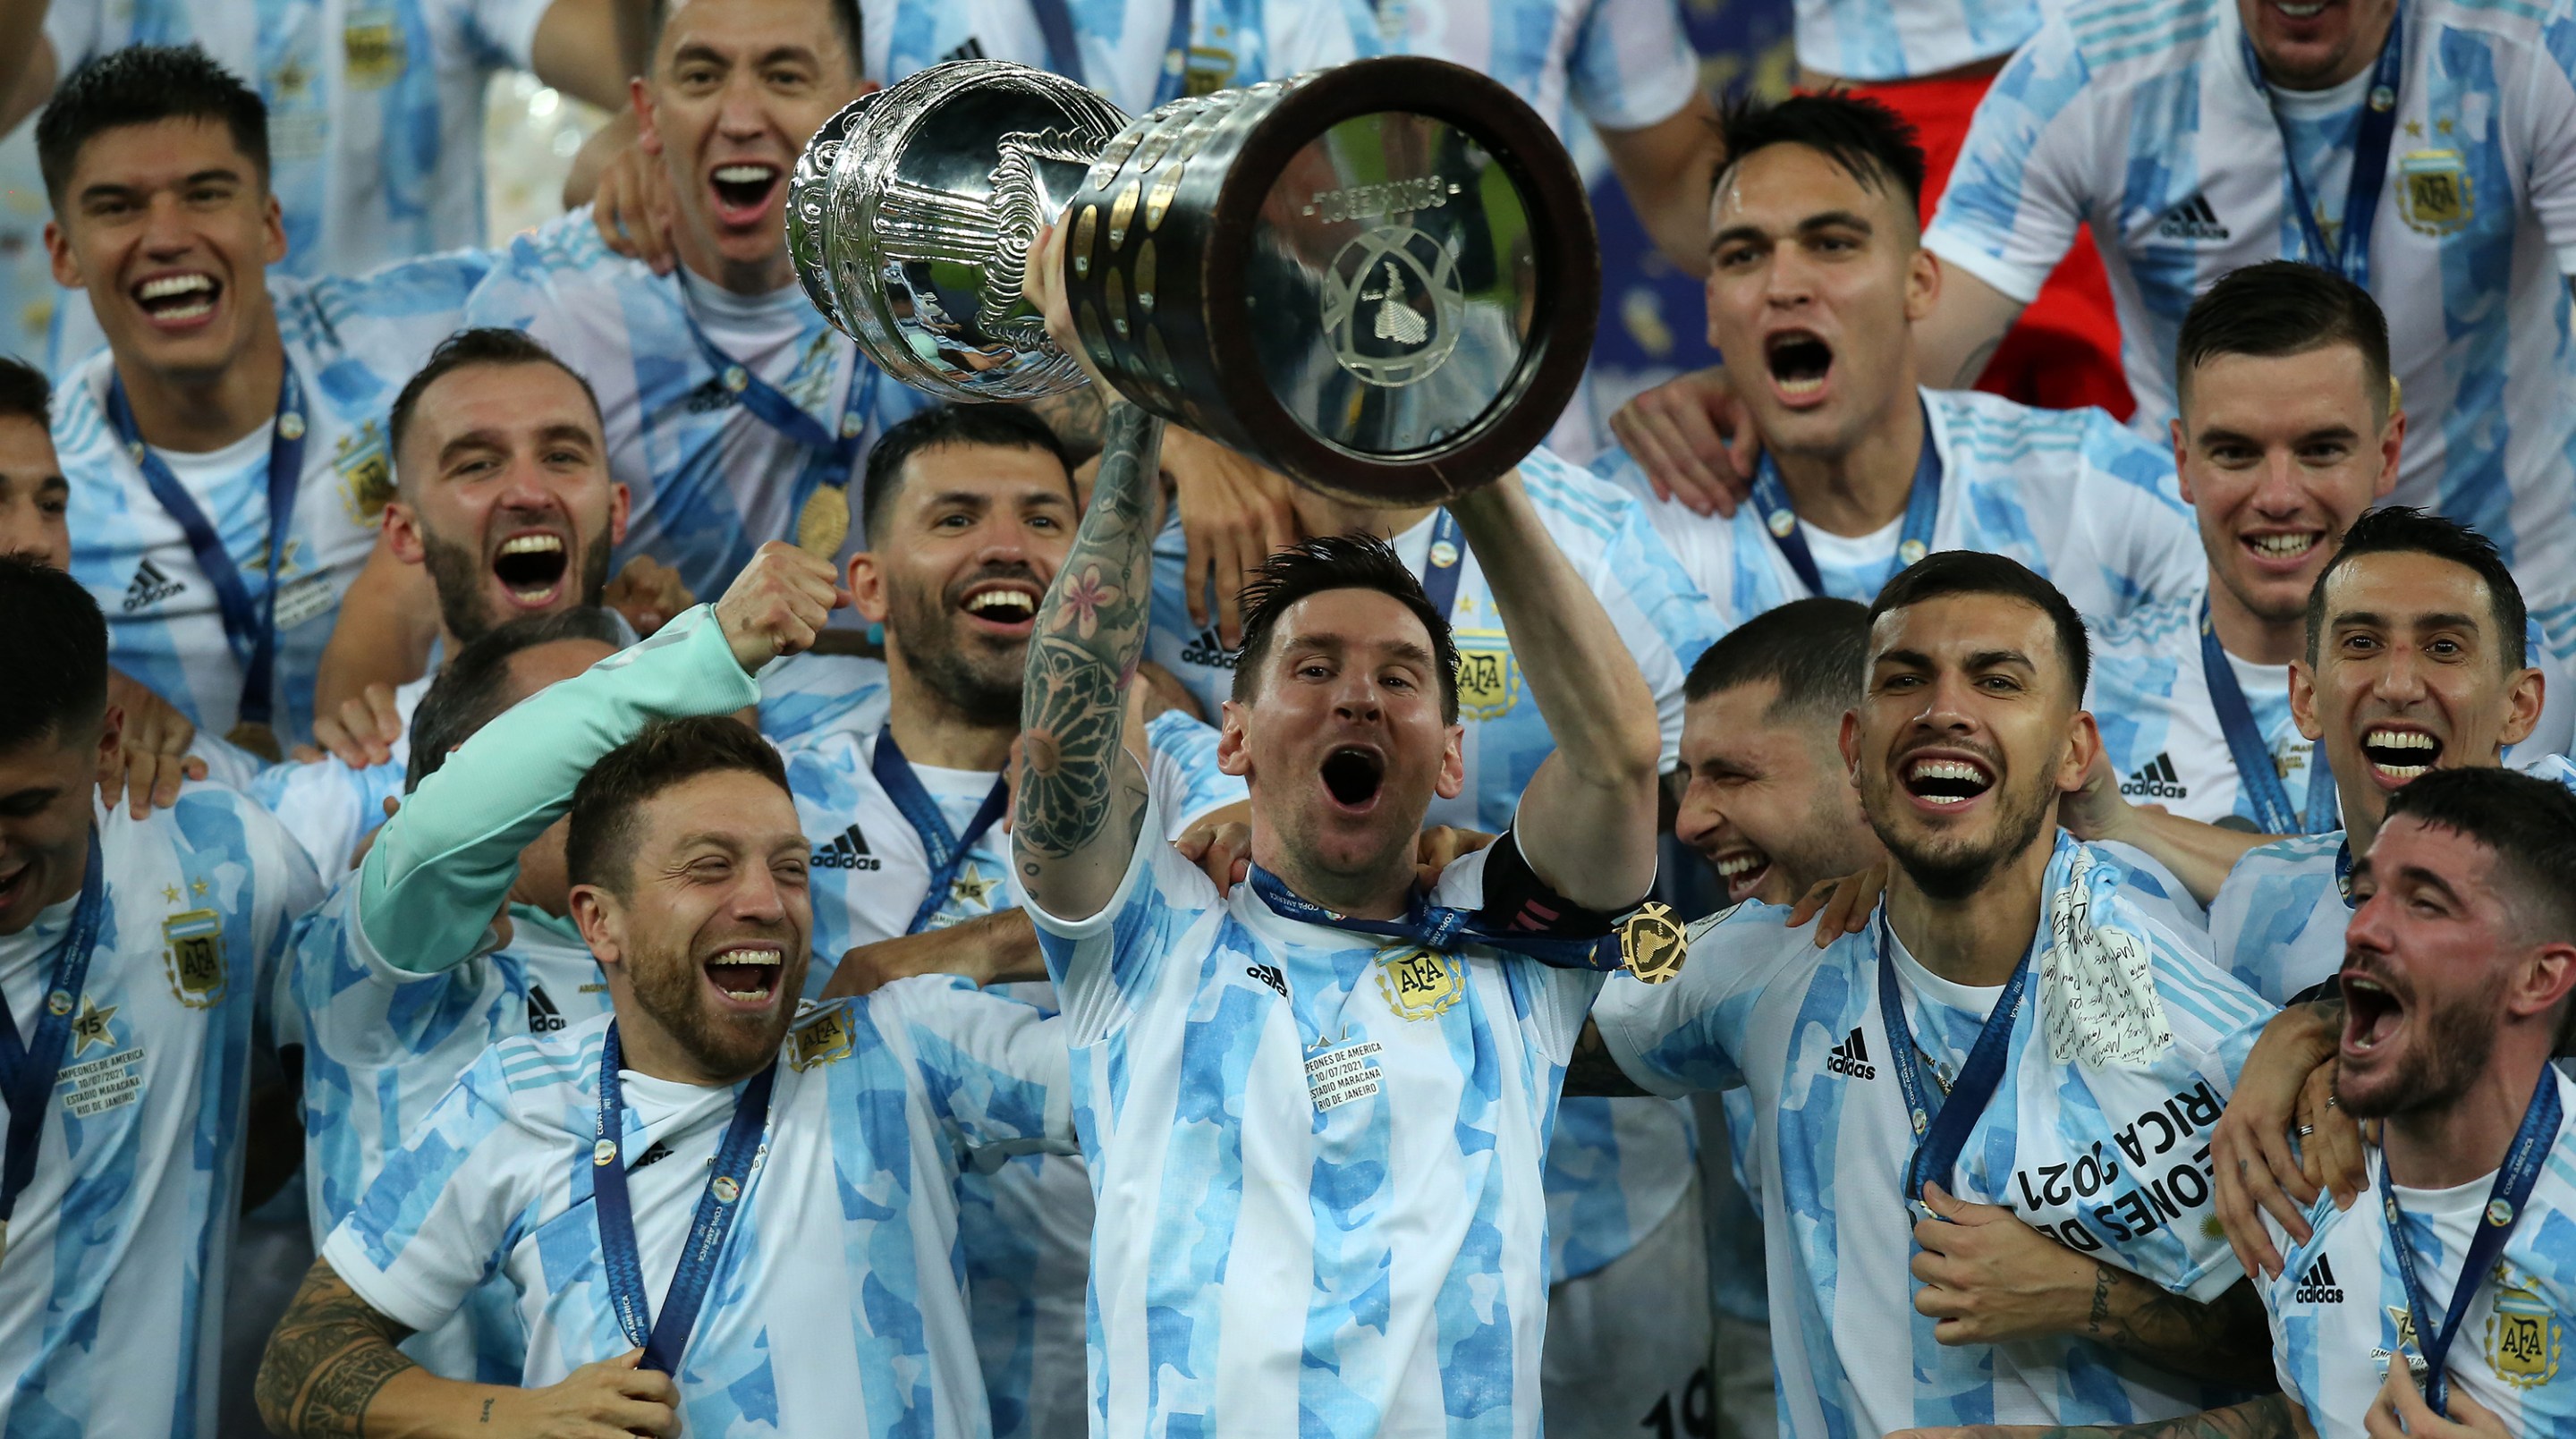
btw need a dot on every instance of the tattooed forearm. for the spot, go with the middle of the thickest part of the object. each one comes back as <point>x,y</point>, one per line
<point>1592,1073</point>
<point>1090,637</point>
<point>1079,419</point>
<point>2225,1340</point>
<point>2264,1418</point>
<point>327,1359</point>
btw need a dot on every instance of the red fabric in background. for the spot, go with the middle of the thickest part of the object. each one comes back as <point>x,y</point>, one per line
<point>2064,352</point>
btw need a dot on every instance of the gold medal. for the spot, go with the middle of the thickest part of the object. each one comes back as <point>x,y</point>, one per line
<point>825,521</point>
<point>1652,944</point>
<point>259,739</point>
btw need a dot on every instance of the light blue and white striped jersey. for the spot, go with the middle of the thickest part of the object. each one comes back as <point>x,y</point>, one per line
<point>1619,1165</point>
<point>28,293</point>
<point>2150,696</point>
<point>2070,493</point>
<point>2159,729</point>
<point>2339,1308</point>
<point>1616,64</point>
<point>375,117</point>
<point>383,1044</point>
<point>2142,118</point>
<point>353,343</point>
<point>1125,44</point>
<point>803,697</point>
<point>111,1292</point>
<point>709,481</point>
<point>869,867</point>
<point>2277,923</point>
<point>1317,1161</point>
<point>329,806</point>
<point>836,1304</point>
<point>1882,40</point>
<point>2109,1156</point>
<point>1024,1229</point>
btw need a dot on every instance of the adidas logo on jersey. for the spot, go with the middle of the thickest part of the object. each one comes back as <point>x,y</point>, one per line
<point>973,49</point>
<point>2191,220</point>
<point>543,1017</point>
<point>849,851</point>
<point>1850,1059</point>
<point>150,587</point>
<point>654,1155</point>
<point>1268,974</point>
<point>1207,651</point>
<point>2318,1286</point>
<point>2155,780</point>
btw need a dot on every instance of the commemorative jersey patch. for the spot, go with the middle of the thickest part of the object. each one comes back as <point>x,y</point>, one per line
<point>1652,944</point>
<point>1336,1074</point>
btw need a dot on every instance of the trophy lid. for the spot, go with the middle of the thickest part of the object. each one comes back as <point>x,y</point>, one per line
<point>910,215</point>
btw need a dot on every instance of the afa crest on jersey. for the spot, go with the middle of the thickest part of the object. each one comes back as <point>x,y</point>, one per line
<point>1489,679</point>
<point>192,947</point>
<point>2522,1335</point>
<point>1419,983</point>
<point>2434,195</point>
<point>819,1039</point>
<point>374,49</point>
<point>366,473</point>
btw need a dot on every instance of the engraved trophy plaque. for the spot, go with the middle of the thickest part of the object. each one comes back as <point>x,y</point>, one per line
<point>1379,279</point>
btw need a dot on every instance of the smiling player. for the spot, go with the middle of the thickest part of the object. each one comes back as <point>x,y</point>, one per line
<point>735,414</point>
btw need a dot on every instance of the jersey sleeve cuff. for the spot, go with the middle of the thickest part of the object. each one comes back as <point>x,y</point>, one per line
<point>1627,1039</point>
<point>2016,282</point>
<point>403,1303</point>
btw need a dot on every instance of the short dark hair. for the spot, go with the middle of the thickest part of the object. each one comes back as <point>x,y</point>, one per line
<point>54,651</point>
<point>845,18</point>
<point>24,393</point>
<point>1870,142</point>
<point>1001,427</point>
<point>2529,824</point>
<point>2404,530</point>
<point>2283,307</point>
<point>1975,572</point>
<point>472,689</point>
<point>489,345</point>
<point>145,85</point>
<point>1337,562</point>
<point>1815,650</point>
<point>599,846</point>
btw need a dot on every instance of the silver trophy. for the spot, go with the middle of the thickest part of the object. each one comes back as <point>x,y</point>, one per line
<point>1380,279</point>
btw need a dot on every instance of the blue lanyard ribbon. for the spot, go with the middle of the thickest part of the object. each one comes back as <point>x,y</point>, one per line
<point>947,849</point>
<point>250,625</point>
<point>1439,927</point>
<point>1941,1124</point>
<point>2369,159</point>
<point>835,453</point>
<point>28,1071</point>
<point>1064,49</point>
<point>2513,1185</point>
<point>1922,513</point>
<point>663,1339</point>
<point>2255,773</point>
<point>1443,563</point>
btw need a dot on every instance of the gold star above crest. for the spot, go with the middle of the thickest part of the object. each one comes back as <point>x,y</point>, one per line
<point>2415,129</point>
<point>970,887</point>
<point>288,79</point>
<point>197,887</point>
<point>170,892</point>
<point>2442,125</point>
<point>90,1026</point>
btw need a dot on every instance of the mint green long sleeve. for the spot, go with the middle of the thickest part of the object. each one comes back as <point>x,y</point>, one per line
<point>442,865</point>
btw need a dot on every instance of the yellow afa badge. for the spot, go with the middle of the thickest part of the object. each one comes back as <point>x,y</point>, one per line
<point>820,1039</point>
<point>374,48</point>
<point>2434,195</point>
<point>2522,1335</point>
<point>1489,679</point>
<point>366,474</point>
<point>1419,983</point>
<point>192,946</point>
